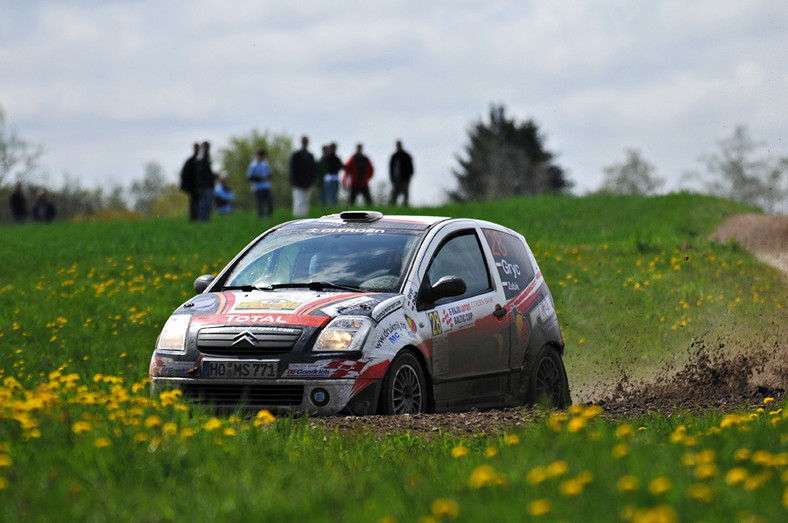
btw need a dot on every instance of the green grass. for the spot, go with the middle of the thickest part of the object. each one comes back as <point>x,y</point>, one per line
<point>636,283</point>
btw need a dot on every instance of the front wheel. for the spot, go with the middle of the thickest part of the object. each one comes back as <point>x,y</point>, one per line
<point>404,388</point>
<point>547,381</point>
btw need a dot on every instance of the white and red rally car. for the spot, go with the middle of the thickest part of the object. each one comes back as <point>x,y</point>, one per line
<point>365,313</point>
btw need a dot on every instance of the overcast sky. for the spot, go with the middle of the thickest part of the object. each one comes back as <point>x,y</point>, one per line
<point>107,86</point>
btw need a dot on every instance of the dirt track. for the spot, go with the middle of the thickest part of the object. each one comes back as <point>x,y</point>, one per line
<point>709,380</point>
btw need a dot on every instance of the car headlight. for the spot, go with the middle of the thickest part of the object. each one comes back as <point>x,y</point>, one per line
<point>173,335</point>
<point>344,334</point>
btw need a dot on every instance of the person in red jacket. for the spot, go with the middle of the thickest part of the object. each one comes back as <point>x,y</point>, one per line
<point>358,172</point>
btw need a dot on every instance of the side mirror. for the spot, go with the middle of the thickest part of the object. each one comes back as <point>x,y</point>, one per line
<point>445,287</point>
<point>202,282</point>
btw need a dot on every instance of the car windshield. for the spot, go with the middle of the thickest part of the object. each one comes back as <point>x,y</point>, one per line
<point>368,261</point>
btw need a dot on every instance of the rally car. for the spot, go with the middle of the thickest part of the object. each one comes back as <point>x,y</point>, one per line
<point>364,313</point>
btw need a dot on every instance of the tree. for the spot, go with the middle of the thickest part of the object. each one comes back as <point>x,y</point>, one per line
<point>634,176</point>
<point>235,160</point>
<point>737,173</point>
<point>18,158</point>
<point>503,158</point>
<point>149,190</point>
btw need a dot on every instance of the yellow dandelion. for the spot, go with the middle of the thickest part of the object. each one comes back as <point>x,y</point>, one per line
<point>627,483</point>
<point>460,451</point>
<point>140,437</point>
<point>557,468</point>
<point>81,427</point>
<point>153,422</point>
<point>742,454</point>
<point>188,432</point>
<point>481,476</point>
<point>621,450</point>
<point>4,483</point>
<point>767,401</point>
<point>5,460</point>
<point>212,424</point>
<point>263,418</point>
<point>169,428</point>
<point>511,439</point>
<point>624,431</point>
<point>230,432</point>
<point>536,476</point>
<point>576,425</point>
<point>571,488</point>
<point>736,475</point>
<point>659,486</point>
<point>540,507</point>
<point>490,452</point>
<point>102,443</point>
<point>445,508</point>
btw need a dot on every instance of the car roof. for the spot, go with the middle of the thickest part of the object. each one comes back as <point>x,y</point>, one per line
<point>369,220</point>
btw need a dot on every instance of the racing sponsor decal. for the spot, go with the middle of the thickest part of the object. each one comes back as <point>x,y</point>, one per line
<point>341,229</point>
<point>168,367</point>
<point>412,297</point>
<point>272,304</point>
<point>435,322</point>
<point>263,319</point>
<point>307,370</point>
<point>457,315</point>
<point>391,334</point>
<point>363,302</point>
<point>411,324</point>
<point>386,307</point>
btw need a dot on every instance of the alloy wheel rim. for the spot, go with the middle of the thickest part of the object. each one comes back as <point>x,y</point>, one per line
<point>548,381</point>
<point>407,395</point>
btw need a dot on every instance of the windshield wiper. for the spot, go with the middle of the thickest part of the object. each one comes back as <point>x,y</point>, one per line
<point>313,285</point>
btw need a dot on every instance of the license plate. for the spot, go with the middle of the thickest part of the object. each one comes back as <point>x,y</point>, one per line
<point>232,369</point>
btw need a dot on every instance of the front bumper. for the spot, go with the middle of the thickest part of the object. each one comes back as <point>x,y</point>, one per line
<point>299,396</point>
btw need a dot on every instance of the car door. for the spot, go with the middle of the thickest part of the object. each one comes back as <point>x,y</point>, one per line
<point>470,339</point>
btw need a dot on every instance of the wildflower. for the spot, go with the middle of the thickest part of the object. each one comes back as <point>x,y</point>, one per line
<point>557,468</point>
<point>444,507</point>
<point>102,442</point>
<point>659,485</point>
<point>705,471</point>
<point>490,452</point>
<point>460,451</point>
<point>140,437</point>
<point>212,424</point>
<point>571,488</point>
<point>742,454</point>
<point>592,411</point>
<point>540,507</point>
<point>188,432</point>
<point>511,439</point>
<point>767,401</point>
<point>230,432</point>
<point>153,422</point>
<point>736,476</point>
<point>556,421</point>
<point>169,428</point>
<point>263,418</point>
<point>81,427</point>
<point>5,460</point>
<point>624,431</point>
<point>620,450</point>
<point>627,484</point>
<point>576,425</point>
<point>485,475</point>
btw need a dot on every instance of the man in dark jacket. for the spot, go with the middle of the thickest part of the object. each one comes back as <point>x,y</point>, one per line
<point>204,181</point>
<point>302,176</point>
<point>400,173</point>
<point>187,182</point>
<point>18,204</point>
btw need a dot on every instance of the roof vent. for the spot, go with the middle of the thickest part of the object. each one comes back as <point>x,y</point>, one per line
<point>360,216</point>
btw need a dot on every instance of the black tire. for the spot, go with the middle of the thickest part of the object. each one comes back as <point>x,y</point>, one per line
<point>405,387</point>
<point>547,381</point>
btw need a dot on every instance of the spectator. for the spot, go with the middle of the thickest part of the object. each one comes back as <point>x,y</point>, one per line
<point>204,180</point>
<point>358,172</point>
<point>302,177</point>
<point>400,173</point>
<point>260,175</point>
<point>331,178</point>
<point>320,174</point>
<point>187,182</point>
<point>43,209</point>
<point>223,195</point>
<point>18,204</point>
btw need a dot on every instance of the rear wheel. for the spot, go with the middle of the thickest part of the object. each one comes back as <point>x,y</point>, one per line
<point>547,381</point>
<point>405,387</point>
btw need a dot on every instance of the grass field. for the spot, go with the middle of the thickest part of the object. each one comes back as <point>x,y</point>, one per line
<point>635,281</point>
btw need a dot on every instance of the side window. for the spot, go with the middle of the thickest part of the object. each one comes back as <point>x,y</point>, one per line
<point>461,256</point>
<point>511,260</point>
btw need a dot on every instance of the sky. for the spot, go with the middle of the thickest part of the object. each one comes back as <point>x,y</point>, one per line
<point>109,86</point>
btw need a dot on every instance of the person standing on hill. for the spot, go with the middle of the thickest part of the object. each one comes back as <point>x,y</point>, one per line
<point>187,182</point>
<point>302,177</point>
<point>43,208</point>
<point>260,175</point>
<point>400,173</point>
<point>331,178</point>
<point>204,181</point>
<point>358,172</point>
<point>18,204</point>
